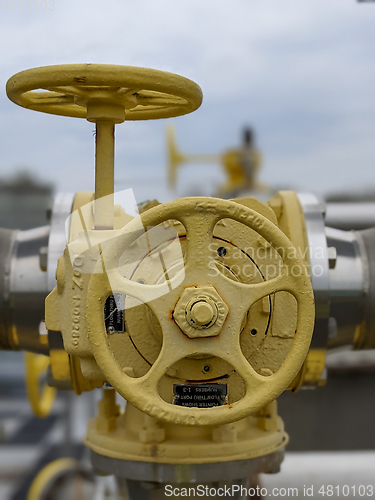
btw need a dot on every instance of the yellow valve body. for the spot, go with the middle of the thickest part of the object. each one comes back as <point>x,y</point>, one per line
<point>276,369</point>
<point>132,435</point>
<point>197,320</point>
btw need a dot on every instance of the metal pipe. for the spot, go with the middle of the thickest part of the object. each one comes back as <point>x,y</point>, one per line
<point>28,261</point>
<point>348,216</point>
<point>23,288</point>
<point>352,288</point>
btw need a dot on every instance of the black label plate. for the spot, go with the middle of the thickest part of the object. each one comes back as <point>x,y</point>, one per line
<point>114,313</point>
<point>200,395</point>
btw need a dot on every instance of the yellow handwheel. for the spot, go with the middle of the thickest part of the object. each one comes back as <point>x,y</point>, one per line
<point>41,396</point>
<point>137,93</point>
<point>106,95</point>
<point>220,338</point>
<point>49,474</point>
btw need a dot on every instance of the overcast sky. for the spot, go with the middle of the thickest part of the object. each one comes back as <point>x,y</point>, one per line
<point>301,72</point>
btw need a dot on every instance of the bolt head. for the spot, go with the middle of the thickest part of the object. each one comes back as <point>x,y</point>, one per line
<point>200,312</point>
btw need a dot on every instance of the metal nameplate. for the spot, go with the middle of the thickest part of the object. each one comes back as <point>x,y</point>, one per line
<point>114,313</point>
<point>200,395</point>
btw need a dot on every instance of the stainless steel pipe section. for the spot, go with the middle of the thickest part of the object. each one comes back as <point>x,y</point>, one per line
<point>7,238</point>
<point>23,289</point>
<point>352,288</point>
<point>347,216</point>
<point>347,285</point>
<point>28,261</point>
<point>365,335</point>
<point>345,290</point>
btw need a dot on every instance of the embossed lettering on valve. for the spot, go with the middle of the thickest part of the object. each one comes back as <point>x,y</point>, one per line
<point>237,212</point>
<point>77,285</point>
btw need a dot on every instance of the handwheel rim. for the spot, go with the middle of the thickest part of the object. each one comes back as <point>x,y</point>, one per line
<point>21,88</point>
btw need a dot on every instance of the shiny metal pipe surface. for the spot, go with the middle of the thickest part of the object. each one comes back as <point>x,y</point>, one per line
<point>347,216</point>
<point>23,289</point>
<point>352,288</point>
<point>28,261</point>
<point>347,285</point>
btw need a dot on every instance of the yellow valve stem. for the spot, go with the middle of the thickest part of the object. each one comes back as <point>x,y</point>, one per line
<point>104,174</point>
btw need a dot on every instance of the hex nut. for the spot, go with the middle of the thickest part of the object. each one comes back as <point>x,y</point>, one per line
<point>200,312</point>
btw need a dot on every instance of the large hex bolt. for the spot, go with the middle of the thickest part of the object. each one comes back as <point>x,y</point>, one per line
<point>200,312</point>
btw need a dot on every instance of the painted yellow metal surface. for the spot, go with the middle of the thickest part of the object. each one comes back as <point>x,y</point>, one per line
<point>105,95</point>
<point>133,435</point>
<point>234,161</point>
<point>133,93</point>
<point>49,473</point>
<point>87,292</point>
<point>40,395</point>
<point>211,311</point>
<point>287,207</point>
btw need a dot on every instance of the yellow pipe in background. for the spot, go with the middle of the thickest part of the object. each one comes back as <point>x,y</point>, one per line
<point>40,395</point>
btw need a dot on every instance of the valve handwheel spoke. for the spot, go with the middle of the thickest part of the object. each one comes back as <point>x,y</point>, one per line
<point>199,228</point>
<point>143,292</point>
<point>176,348</point>
<point>234,356</point>
<point>171,352</point>
<point>246,295</point>
<point>51,99</point>
<point>68,89</point>
<point>155,94</point>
